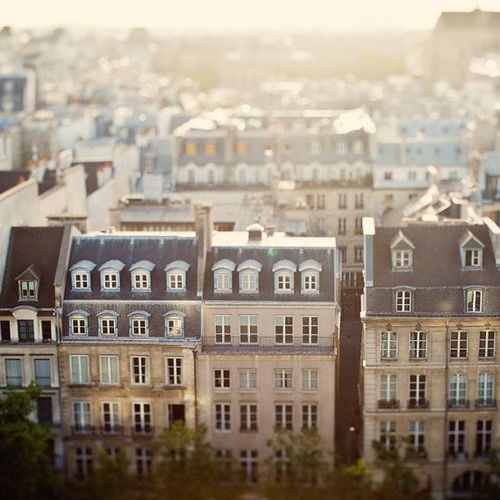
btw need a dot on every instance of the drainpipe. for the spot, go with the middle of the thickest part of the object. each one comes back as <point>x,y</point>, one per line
<point>445,433</point>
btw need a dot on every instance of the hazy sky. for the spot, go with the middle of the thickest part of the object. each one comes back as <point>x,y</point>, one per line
<point>236,14</point>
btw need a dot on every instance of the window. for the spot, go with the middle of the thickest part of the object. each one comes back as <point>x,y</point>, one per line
<point>388,434</point>
<point>358,225</point>
<point>309,378</point>
<point>283,378</point>
<point>388,383</point>
<point>458,344</point>
<point>412,175</point>
<point>283,416</point>
<point>417,435</point>
<point>473,257</point>
<point>174,371</point>
<point>222,329</point>
<point>13,372</point>
<point>456,438</point>
<point>141,414</point>
<point>486,389</point>
<point>343,253</point>
<point>110,417</point>
<point>309,416</point>
<point>249,464</point>
<point>283,281</point>
<point>342,200</point>
<point>81,280</point>
<point>309,329</point>
<point>418,345</point>
<point>223,280</point>
<point>176,280</point>
<point>487,344</point>
<point>190,148</point>
<point>248,329</point>
<point>310,281</point>
<point>320,201</point>
<point>387,175</point>
<point>46,331</point>
<point>42,372</point>
<point>78,324</point>
<point>140,370</point>
<point>142,462</point>
<point>388,345</point>
<point>222,379</point>
<point>176,413</point>
<point>403,300</point>
<point>249,281</point>
<point>248,417</point>
<point>5,331</point>
<point>174,324</point>
<point>79,366</point>
<point>83,461</point>
<point>359,200</point>
<point>110,280</point>
<point>141,280</point>
<point>108,368</point>
<point>358,253</point>
<point>44,412</point>
<point>28,290</point>
<point>283,329</point>
<point>108,325</point>
<point>139,325</point>
<point>222,417</point>
<point>248,378</point>
<point>210,148</point>
<point>82,416</point>
<point>418,391</point>
<point>483,437</point>
<point>241,148</point>
<point>458,390</point>
<point>474,300</point>
<point>402,260</point>
<point>342,226</point>
<point>26,330</point>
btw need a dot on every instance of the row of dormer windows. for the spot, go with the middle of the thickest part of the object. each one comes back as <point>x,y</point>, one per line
<point>138,324</point>
<point>402,260</point>
<point>283,271</point>
<point>140,276</point>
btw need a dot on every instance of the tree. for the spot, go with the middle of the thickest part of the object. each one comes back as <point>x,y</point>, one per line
<point>26,469</point>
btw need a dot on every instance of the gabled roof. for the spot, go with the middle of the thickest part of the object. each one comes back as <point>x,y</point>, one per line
<point>29,274</point>
<point>468,240</point>
<point>401,242</point>
<point>33,251</point>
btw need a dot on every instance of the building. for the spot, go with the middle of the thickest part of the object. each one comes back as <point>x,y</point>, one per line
<point>271,326</point>
<point>429,362</point>
<point>131,323</point>
<point>30,305</point>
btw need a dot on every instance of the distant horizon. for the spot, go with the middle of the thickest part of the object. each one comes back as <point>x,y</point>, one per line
<point>233,16</point>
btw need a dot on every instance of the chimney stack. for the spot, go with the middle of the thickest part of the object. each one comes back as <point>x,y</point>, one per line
<point>204,227</point>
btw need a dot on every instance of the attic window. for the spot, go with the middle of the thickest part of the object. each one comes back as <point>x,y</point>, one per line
<point>402,259</point>
<point>473,257</point>
<point>471,251</point>
<point>28,290</point>
<point>402,253</point>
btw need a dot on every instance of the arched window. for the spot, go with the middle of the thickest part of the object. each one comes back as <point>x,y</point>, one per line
<point>78,322</point>
<point>223,275</point>
<point>473,300</point>
<point>249,276</point>
<point>284,272</point>
<point>139,323</point>
<point>309,276</point>
<point>110,275</point>
<point>141,275</point>
<point>403,300</point>
<point>174,324</point>
<point>176,276</point>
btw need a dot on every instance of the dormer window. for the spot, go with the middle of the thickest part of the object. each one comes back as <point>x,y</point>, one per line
<point>309,272</point>
<point>402,253</point>
<point>139,324</point>
<point>223,275</point>
<point>249,276</point>
<point>28,282</point>
<point>403,300</point>
<point>471,251</point>
<point>176,276</point>
<point>474,300</point>
<point>141,275</point>
<point>108,323</point>
<point>174,324</point>
<point>78,323</point>
<point>110,275</point>
<point>80,275</point>
<point>284,272</point>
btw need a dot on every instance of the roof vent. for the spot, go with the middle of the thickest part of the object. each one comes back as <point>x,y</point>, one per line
<point>255,232</point>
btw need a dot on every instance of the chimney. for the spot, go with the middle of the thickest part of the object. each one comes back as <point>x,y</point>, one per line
<point>204,227</point>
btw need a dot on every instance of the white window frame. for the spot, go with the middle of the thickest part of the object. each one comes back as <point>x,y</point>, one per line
<point>139,324</point>
<point>83,377</point>
<point>249,281</point>
<point>110,280</point>
<point>247,379</point>
<point>141,280</point>
<point>28,292</point>
<point>458,389</point>
<point>310,330</point>
<point>222,329</point>
<point>222,378</point>
<point>249,417</point>
<point>222,417</point>
<point>283,416</point>
<point>77,278</point>
<point>473,300</point>
<point>176,273</point>
<point>417,435</point>
<point>387,436</point>
<point>403,300</point>
<point>283,281</point>
<point>21,370</point>
<point>105,369</point>
<point>310,379</point>
<point>249,321</point>
<point>402,259</point>
<point>283,378</point>
<point>418,344</point>
<point>223,281</point>
<point>108,321</point>
<point>82,418</point>
<point>174,372</point>
<point>141,425</point>
<point>144,371</point>
<point>81,319</point>
<point>174,324</point>
<point>310,416</point>
<point>459,346</point>
<point>476,258</point>
<point>486,387</point>
<point>388,387</point>
<point>283,330</point>
<point>487,344</point>
<point>114,420</point>
<point>388,345</point>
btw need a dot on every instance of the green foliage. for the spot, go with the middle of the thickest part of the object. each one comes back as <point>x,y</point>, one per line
<point>25,457</point>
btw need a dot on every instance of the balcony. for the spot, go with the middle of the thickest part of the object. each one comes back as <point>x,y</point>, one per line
<point>388,404</point>
<point>486,403</point>
<point>458,404</point>
<point>457,456</point>
<point>268,342</point>
<point>421,404</point>
<point>142,430</point>
<point>112,430</point>
<point>82,429</point>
